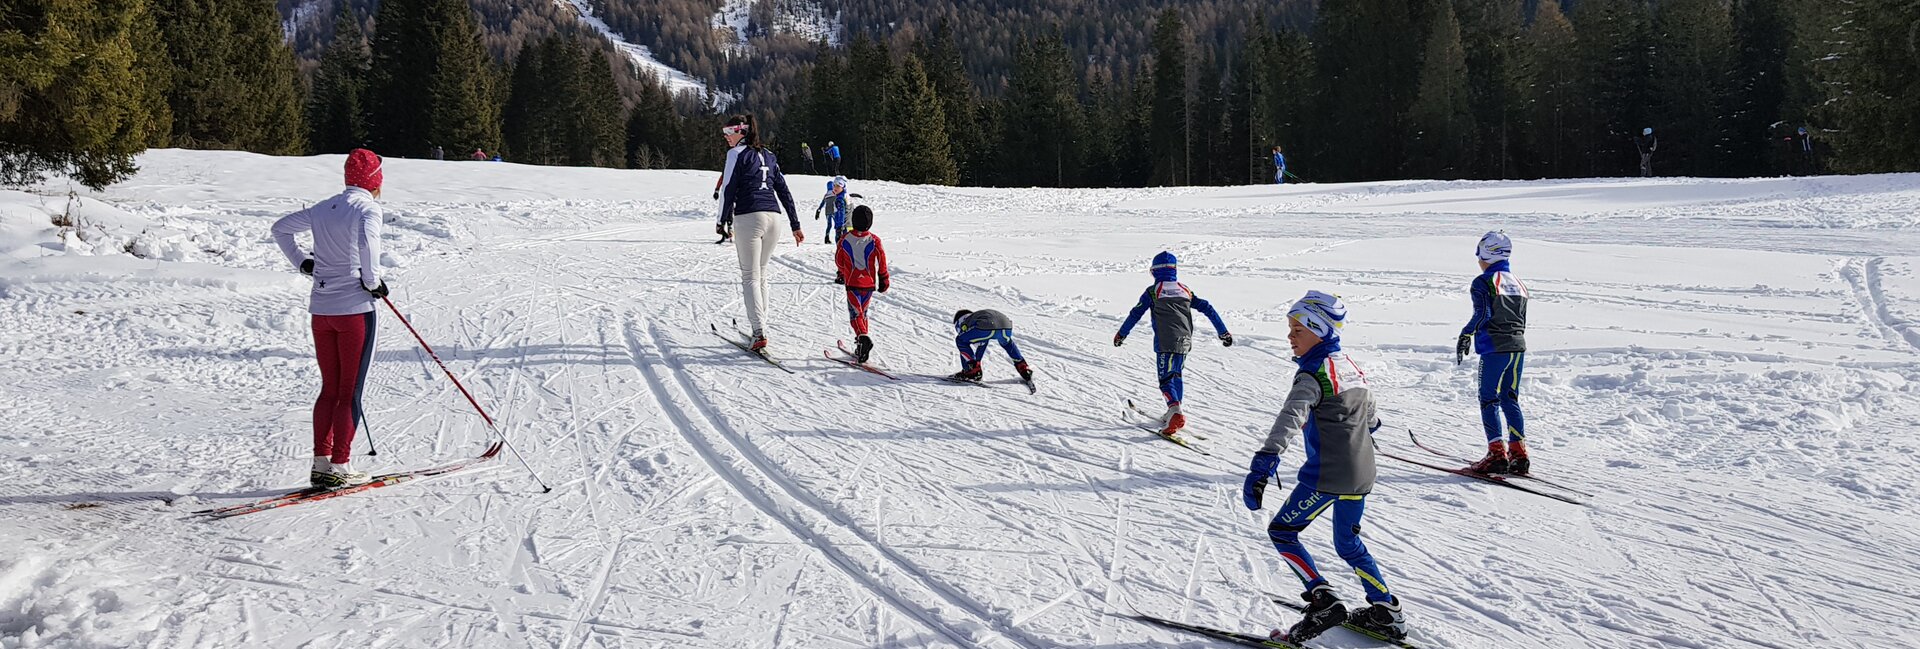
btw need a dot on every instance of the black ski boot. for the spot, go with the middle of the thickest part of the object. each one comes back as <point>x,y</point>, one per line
<point>1383,618</point>
<point>1324,611</point>
<point>969,375</point>
<point>862,349</point>
<point>1026,373</point>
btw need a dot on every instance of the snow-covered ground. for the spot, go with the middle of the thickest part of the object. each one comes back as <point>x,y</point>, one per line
<point>1732,367</point>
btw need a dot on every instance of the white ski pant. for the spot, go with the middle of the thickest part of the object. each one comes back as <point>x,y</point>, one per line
<point>755,236</point>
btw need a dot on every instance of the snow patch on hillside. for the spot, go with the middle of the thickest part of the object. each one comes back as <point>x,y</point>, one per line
<point>642,56</point>
<point>805,19</point>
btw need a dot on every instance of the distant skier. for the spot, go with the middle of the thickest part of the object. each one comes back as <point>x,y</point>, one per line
<point>1279,166</point>
<point>1498,333</point>
<point>346,282</point>
<point>1647,144</point>
<point>835,203</point>
<point>806,153</point>
<point>479,155</point>
<point>1173,305</point>
<point>1331,408</point>
<point>833,158</point>
<point>974,329</point>
<point>862,267</point>
<point>755,193</point>
<point>439,153</point>
<point>1805,141</point>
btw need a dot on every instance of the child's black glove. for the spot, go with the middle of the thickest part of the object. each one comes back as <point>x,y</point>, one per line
<point>1461,348</point>
<point>885,281</point>
<point>306,267</point>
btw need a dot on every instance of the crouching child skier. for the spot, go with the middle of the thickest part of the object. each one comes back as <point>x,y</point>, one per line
<point>973,330</point>
<point>1173,305</point>
<point>862,264</point>
<point>1331,409</point>
<point>1497,333</point>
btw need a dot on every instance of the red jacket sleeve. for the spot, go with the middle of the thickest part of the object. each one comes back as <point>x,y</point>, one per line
<point>842,262</point>
<point>879,258</point>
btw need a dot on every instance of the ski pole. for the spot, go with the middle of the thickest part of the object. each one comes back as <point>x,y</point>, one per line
<point>469,395</point>
<point>371,449</point>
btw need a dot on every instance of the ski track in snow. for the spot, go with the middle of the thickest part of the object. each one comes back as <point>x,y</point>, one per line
<point>1731,367</point>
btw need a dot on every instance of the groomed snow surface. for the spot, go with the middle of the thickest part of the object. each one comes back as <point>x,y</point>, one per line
<point>1730,366</point>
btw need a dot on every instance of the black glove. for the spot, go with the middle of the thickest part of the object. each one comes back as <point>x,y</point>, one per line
<point>1462,348</point>
<point>306,267</point>
<point>1119,339</point>
<point>1226,340</point>
<point>838,278</point>
<point>379,291</point>
<point>720,229</point>
<point>716,194</point>
<point>885,282</point>
<point>816,214</point>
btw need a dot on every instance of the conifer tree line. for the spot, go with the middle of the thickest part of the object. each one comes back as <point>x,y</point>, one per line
<point>1360,90</point>
<point>1387,89</point>
<point>85,86</point>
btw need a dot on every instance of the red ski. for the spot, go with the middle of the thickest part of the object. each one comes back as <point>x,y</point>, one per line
<point>1526,476</point>
<point>1484,477</point>
<point>312,495</point>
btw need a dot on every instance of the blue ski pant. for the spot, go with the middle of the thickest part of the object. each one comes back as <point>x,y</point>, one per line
<point>973,346</point>
<point>1169,365</point>
<point>836,224</point>
<point>1300,510</point>
<point>1500,394</point>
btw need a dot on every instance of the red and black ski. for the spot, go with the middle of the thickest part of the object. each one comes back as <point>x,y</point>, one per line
<point>1176,438</point>
<point>1489,478</point>
<point>849,361</point>
<point>1524,476</point>
<point>313,495</point>
<point>749,349</point>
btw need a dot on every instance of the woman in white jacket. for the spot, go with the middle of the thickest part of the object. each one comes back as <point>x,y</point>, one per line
<point>346,282</point>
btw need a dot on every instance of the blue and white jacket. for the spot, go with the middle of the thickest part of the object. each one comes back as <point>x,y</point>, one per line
<point>1499,323</point>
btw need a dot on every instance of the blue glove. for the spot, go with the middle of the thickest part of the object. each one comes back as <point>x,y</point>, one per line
<point>1264,466</point>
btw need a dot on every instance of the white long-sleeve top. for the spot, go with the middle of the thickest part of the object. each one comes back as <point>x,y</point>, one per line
<point>346,250</point>
<point>726,176</point>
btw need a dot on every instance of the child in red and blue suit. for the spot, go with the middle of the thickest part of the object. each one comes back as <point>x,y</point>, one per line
<point>862,263</point>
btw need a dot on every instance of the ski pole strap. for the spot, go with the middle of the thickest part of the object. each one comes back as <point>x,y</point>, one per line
<point>443,366</point>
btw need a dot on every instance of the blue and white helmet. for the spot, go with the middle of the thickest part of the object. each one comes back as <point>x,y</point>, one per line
<point>1495,246</point>
<point>1321,313</point>
<point>838,182</point>
<point>1647,131</point>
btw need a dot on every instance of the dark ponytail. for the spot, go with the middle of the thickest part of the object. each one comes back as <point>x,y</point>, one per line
<point>752,139</point>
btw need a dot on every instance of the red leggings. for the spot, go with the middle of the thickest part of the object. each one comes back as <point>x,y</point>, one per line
<point>345,348</point>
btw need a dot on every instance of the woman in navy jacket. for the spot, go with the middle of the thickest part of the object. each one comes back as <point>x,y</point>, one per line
<point>755,193</point>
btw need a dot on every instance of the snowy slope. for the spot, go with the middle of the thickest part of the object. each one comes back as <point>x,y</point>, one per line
<point>805,19</point>
<point>1731,367</point>
<point>642,56</point>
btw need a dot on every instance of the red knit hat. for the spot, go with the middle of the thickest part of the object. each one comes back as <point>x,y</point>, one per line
<point>363,170</point>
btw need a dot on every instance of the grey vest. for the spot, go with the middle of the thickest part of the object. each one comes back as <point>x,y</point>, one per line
<point>1339,443</point>
<point>1172,318</point>
<point>985,320</point>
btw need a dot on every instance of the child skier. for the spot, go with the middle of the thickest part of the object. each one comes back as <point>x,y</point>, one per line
<point>1331,408</point>
<point>836,201</point>
<point>346,283</point>
<point>862,264</point>
<point>974,329</point>
<point>1498,334</point>
<point>1173,305</point>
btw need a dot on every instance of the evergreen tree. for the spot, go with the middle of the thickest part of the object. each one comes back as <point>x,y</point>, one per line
<point>336,109</point>
<point>915,148</point>
<point>1367,56</point>
<point>1490,32</point>
<point>653,129</point>
<point>871,68</point>
<point>82,89</point>
<point>1169,132</point>
<point>432,82</point>
<point>1759,97</point>
<point>1871,79</point>
<point>959,101</point>
<point>1213,157</point>
<point>1042,124</point>
<point>1691,73</point>
<point>1284,94</point>
<point>1615,51</point>
<point>235,85</point>
<point>1554,109</point>
<point>535,113</point>
<point>1441,115</point>
<point>601,132</point>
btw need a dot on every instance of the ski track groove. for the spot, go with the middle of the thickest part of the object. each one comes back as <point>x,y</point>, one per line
<point>648,353</point>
